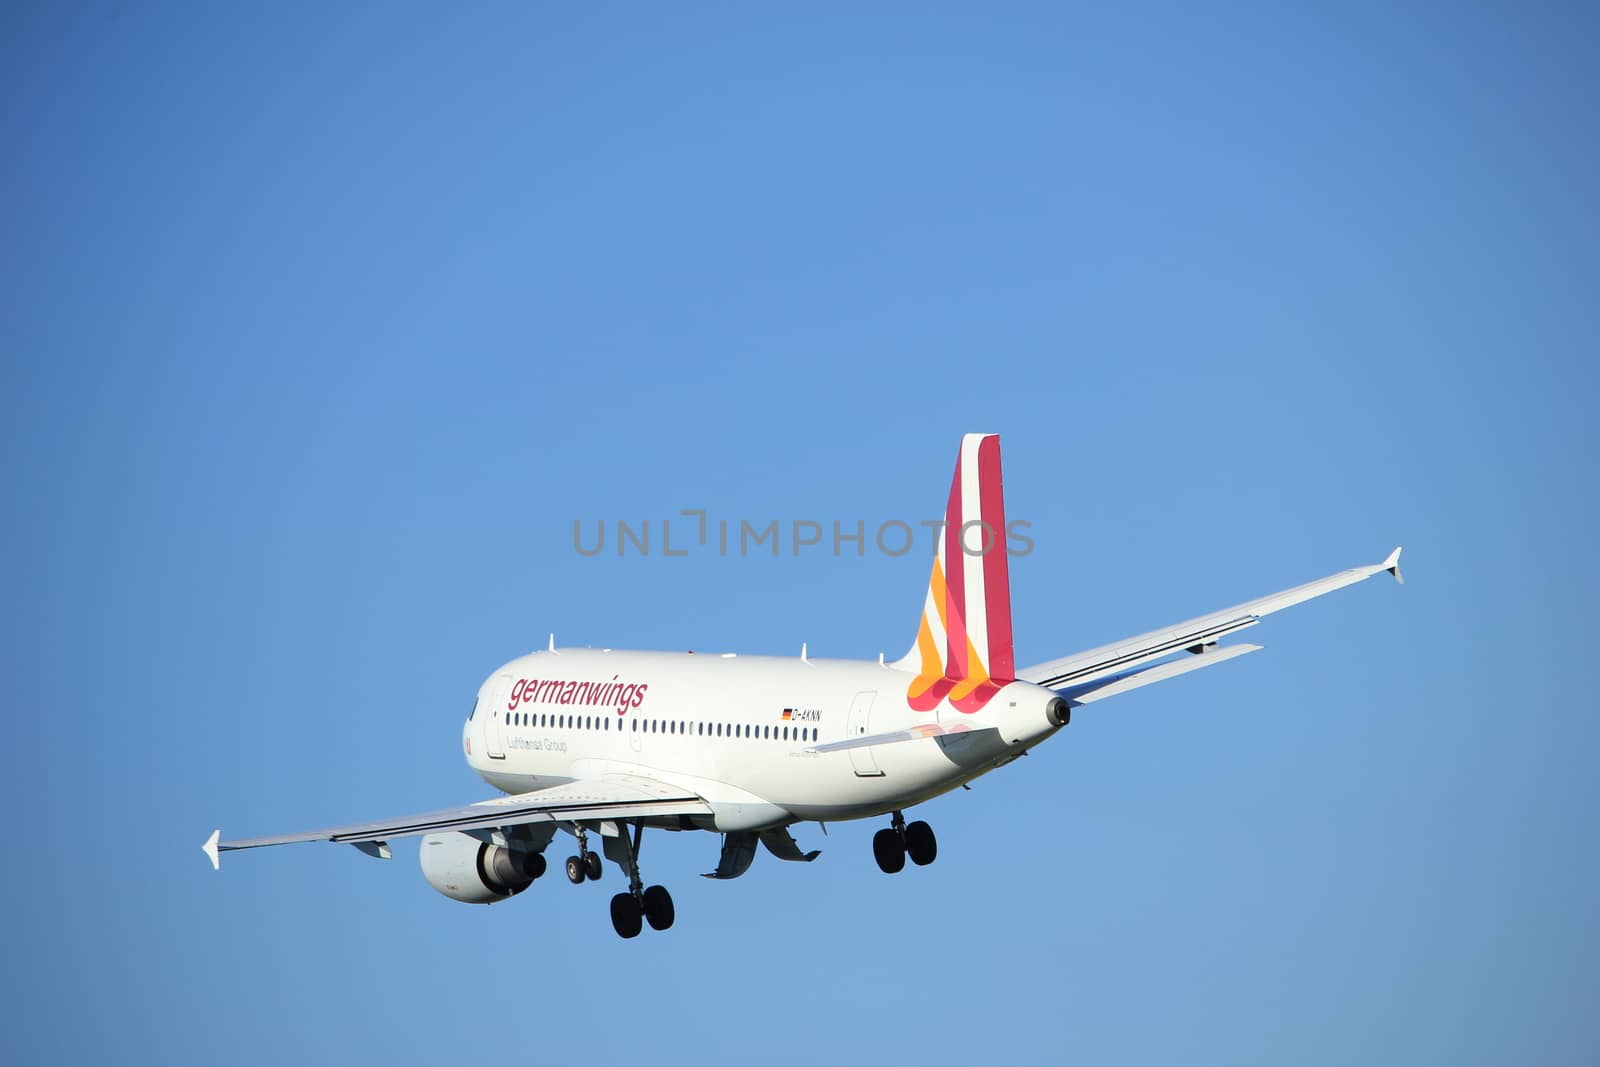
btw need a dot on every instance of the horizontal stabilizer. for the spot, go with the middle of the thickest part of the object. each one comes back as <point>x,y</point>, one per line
<point>1114,661</point>
<point>1089,692</point>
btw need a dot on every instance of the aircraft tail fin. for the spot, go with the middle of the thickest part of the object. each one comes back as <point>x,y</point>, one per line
<point>963,650</point>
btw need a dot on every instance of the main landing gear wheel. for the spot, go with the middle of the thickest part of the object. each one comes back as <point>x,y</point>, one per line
<point>626,917</point>
<point>591,865</point>
<point>577,869</point>
<point>658,910</point>
<point>889,851</point>
<point>921,845</point>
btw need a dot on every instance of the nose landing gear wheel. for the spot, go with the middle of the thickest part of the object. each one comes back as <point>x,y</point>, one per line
<point>577,869</point>
<point>889,851</point>
<point>921,844</point>
<point>658,909</point>
<point>626,918</point>
<point>591,866</point>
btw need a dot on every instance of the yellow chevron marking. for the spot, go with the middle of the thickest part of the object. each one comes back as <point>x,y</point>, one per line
<point>977,674</point>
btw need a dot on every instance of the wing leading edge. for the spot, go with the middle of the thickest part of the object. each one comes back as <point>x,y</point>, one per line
<point>612,797</point>
<point>1124,665</point>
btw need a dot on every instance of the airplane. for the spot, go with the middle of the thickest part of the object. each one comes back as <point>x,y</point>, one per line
<point>604,743</point>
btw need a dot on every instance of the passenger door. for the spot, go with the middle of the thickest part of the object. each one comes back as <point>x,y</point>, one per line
<point>495,695</point>
<point>862,759</point>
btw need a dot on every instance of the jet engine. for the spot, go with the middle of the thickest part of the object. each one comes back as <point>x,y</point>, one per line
<point>476,872</point>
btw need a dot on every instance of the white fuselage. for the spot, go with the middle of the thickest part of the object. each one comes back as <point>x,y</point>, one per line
<point>716,726</point>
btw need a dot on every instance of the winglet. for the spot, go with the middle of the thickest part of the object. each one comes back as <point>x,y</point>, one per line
<point>210,849</point>
<point>1392,565</point>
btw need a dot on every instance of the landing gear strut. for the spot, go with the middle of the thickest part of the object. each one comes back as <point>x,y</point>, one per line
<point>585,865</point>
<point>893,843</point>
<point>631,910</point>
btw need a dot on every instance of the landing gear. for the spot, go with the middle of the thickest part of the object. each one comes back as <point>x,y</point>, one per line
<point>626,917</point>
<point>921,845</point>
<point>630,910</point>
<point>658,910</point>
<point>892,844</point>
<point>889,851</point>
<point>585,865</point>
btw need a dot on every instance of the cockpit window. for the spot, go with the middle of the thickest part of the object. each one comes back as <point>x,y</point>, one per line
<point>473,712</point>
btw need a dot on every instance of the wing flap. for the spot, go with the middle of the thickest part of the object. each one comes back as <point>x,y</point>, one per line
<point>893,737</point>
<point>611,797</point>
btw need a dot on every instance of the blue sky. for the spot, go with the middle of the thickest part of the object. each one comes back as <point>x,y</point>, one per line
<point>323,324</point>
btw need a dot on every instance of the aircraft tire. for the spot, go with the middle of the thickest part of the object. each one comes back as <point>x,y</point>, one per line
<point>889,851</point>
<point>658,909</point>
<point>626,918</point>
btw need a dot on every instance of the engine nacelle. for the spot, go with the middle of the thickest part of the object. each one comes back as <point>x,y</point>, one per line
<point>476,872</point>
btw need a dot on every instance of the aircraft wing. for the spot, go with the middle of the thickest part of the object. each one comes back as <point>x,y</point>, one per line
<point>609,797</point>
<point>1124,665</point>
